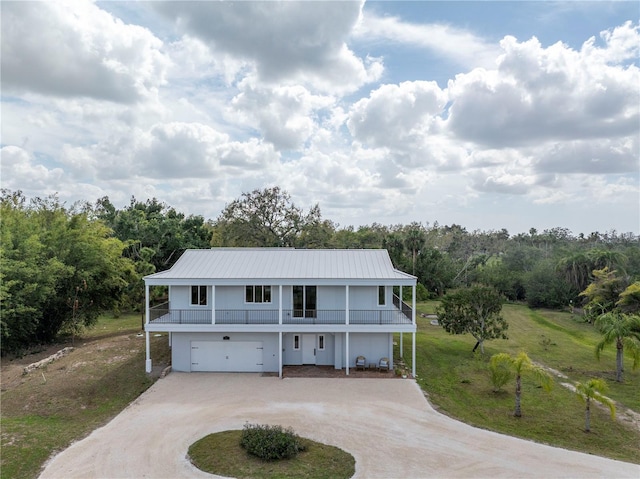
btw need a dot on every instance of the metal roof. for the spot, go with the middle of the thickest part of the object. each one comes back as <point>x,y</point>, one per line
<point>220,265</point>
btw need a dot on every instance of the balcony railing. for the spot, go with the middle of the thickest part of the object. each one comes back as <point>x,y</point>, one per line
<point>162,314</point>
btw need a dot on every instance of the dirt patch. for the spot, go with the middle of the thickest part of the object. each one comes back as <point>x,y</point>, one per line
<point>49,388</point>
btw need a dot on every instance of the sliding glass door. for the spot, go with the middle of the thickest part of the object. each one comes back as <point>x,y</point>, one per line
<point>304,301</point>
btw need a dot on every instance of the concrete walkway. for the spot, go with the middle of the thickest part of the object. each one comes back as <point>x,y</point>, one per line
<point>387,425</point>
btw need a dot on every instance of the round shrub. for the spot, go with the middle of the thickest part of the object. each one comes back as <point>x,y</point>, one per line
<point>270,443</point>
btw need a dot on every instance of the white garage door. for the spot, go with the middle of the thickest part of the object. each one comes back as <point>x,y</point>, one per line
<point>226,356</point>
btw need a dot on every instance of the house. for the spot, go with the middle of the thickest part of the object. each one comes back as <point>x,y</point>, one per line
<point>259,309</point>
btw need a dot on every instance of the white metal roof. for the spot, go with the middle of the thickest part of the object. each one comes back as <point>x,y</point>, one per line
<point>321,266</point>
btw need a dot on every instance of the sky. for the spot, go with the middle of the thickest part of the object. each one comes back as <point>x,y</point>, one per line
<point>489,115</point>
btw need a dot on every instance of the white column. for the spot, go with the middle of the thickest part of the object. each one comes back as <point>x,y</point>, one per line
<point>146,303</point>
<point>346,307</point>
<point>347,350</point>
<point>413,354</point>
<point>213,304</point>
<point>280,312</point>
<point>413,304</point>
<point>147,345</point>
<point>280,352</point>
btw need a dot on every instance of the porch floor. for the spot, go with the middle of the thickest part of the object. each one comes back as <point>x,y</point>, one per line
<point>330,372</point>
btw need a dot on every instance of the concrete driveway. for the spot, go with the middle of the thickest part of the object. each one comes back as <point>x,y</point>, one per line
<point>386,424</point>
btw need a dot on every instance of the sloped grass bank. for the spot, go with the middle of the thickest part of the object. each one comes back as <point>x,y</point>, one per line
<point>45,411</point>
<point>221,454</point>
<point>458,384</point>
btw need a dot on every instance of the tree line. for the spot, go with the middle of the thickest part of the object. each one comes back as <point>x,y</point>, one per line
<point>61,266</point>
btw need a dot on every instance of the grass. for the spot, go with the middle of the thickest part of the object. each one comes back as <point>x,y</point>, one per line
<point>45,411</point>
<point>458,383</point>
<point>221,454</point>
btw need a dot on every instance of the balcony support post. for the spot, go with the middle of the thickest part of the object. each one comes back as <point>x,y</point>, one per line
<point>213,304</point>
<point>280,317</point>
<point>346,312</point>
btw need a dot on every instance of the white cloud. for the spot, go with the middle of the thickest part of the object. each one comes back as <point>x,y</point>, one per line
<point>451,43</point>
<point>548,94</point>
<point>285,41</point>
<point>286,115</point>
<point>395,114</point>
<point>75,49</point>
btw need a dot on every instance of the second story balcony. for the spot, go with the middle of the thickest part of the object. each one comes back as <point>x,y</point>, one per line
<point>164,314</point>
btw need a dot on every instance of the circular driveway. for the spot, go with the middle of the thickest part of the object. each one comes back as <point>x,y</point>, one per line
<point>386,424</point>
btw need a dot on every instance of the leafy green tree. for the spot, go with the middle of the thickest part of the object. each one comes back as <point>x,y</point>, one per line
<point>435,270</point>
<point>603,292</point>
<point>47,252</point>
<point>623,330</point>
<point>545,288</point>
<point>263,218</point>
<point>155,226</point>
<point>593,390</point>
<point>629,299</point>
<point>476,311</point>
<point>519,365</point>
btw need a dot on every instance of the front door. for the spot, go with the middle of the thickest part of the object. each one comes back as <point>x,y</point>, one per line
<point>308,349</point>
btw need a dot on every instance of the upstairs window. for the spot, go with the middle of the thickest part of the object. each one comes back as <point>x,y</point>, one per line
<point>382,295</point>
<point>257,294</point>
<point>198,295</point>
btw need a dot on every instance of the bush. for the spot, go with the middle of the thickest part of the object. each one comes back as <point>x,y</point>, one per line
<point>270,443</point>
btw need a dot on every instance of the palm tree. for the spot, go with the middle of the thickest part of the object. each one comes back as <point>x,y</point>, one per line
<point>414,241</point>
<point>519,365</point>
<point>592,390</point>
<point>623,330</point>
<point>576,269</point>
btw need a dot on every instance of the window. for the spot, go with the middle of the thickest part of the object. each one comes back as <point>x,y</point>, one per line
<point>199,295</point>
<point>304,301</point>
<point>382,295</point>
<point>321,342</point>
<point>257,294</point>
<point>296,342</point>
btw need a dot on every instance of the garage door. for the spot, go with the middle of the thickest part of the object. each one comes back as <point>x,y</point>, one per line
<point>226,356</point>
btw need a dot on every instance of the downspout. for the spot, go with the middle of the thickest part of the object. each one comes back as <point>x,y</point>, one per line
<point>147,344</point>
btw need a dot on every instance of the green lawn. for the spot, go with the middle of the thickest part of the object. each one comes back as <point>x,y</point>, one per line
<point>221,454</point>
<point>48,409</point>
<point>458,384</point>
